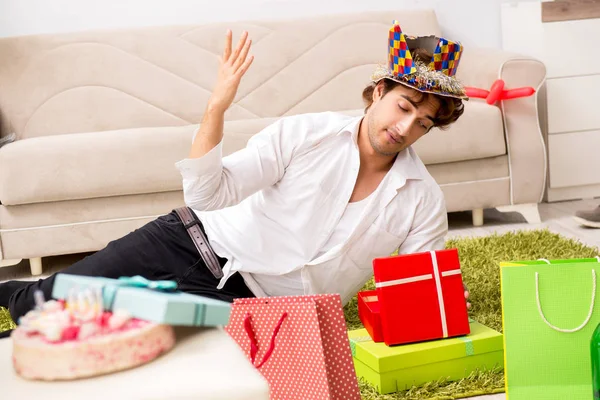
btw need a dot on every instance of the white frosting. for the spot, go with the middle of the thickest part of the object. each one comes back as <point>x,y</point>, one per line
<point>118,319</point>
<point>87,329</point>
<point>52,305</point>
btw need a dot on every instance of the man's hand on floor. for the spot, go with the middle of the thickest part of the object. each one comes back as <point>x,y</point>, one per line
<point>467,296</point>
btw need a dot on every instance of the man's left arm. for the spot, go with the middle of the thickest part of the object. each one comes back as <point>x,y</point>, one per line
<point>429,227</point>
<point>429,230</point>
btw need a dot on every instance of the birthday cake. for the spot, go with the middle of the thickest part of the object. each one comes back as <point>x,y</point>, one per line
<point>64,340</point>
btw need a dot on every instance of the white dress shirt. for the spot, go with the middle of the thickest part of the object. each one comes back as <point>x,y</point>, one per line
<point>291,284</point>
<point>272,207</point>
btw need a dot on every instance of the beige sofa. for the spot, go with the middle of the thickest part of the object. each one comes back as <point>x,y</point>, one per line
<point>101,117</point>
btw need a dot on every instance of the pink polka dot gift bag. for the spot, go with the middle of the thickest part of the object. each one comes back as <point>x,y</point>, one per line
<point>299,344</point>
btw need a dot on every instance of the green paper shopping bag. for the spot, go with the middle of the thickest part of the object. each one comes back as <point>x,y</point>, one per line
<point>550,310</point>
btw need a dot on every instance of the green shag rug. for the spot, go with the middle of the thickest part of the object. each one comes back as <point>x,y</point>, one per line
<point>479,259</point>
<point>5,322</point>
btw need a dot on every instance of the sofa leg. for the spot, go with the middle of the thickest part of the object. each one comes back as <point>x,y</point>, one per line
<point>529,211</point>
<point>36,265</point>
<point>8,263</point>
<point>478,217</point>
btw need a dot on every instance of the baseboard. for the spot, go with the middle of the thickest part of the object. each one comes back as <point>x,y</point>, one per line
<point>573,193</point>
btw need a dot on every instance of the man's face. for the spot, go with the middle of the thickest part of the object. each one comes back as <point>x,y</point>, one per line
<point>396,120</point>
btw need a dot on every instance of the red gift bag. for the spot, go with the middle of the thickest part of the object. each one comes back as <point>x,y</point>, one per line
<point>421,297</point>
<point>299,344</point>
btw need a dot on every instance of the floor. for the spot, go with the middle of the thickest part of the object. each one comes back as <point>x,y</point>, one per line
<point>558,217</point>
<point>499,396</point>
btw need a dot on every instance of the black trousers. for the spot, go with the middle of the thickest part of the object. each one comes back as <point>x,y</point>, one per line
<point>159,250</point>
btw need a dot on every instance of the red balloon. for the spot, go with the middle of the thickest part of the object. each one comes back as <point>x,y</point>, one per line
<point>495,91</point>
<point>517,92</point>
<point>475,92</point>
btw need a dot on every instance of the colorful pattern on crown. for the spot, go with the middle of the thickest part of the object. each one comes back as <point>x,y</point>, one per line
<point>399,58</point>
<point>436,75</point>
<point>446,57</point>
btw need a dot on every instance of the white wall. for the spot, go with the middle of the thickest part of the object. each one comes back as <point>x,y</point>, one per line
<point>473,22</point>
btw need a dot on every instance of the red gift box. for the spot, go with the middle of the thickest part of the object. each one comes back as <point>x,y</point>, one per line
<point>421,297</point>
<point>368,312</point>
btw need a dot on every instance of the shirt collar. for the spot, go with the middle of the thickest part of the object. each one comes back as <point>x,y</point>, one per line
<point>406,166</point>
<point>352,128</point>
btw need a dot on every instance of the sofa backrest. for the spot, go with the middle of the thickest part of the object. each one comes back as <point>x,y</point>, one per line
<point>162,76</point>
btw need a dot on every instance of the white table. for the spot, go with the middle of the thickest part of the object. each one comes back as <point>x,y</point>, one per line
<point>205,364</point>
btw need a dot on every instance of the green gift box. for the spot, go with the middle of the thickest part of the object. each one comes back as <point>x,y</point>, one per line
<point>154,301</point>
<point>396,368</point>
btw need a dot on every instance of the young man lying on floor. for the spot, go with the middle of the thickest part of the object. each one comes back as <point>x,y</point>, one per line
<point>311,200</point>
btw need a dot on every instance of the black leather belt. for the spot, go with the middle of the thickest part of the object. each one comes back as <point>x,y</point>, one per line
<point>192,225</point>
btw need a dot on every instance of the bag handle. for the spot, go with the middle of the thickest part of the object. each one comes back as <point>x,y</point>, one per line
<point>580,327</point>
<point>254,342</point>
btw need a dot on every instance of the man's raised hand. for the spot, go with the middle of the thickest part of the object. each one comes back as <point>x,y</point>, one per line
<point>232,66</point>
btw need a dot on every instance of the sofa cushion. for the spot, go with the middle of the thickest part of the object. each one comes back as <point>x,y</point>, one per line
<point>98,164</point>
<point>97,80</point>
<point>478,133</point>
<point>87,165</point>
<point>141,160</point>
<point>101,164</point>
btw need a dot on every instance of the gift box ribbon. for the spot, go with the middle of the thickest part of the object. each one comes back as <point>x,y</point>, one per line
<point>438,285</point>
<point>355,340</point>
<point>109,291</point>
<point>469,348</point>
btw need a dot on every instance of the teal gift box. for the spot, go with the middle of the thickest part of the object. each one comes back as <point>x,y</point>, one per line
<point>154,301</point>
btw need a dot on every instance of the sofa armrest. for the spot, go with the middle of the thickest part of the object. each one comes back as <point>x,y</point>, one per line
<point>524,140</point>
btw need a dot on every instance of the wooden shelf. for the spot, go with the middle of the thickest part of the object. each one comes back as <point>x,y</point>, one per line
<point>569,10</point>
